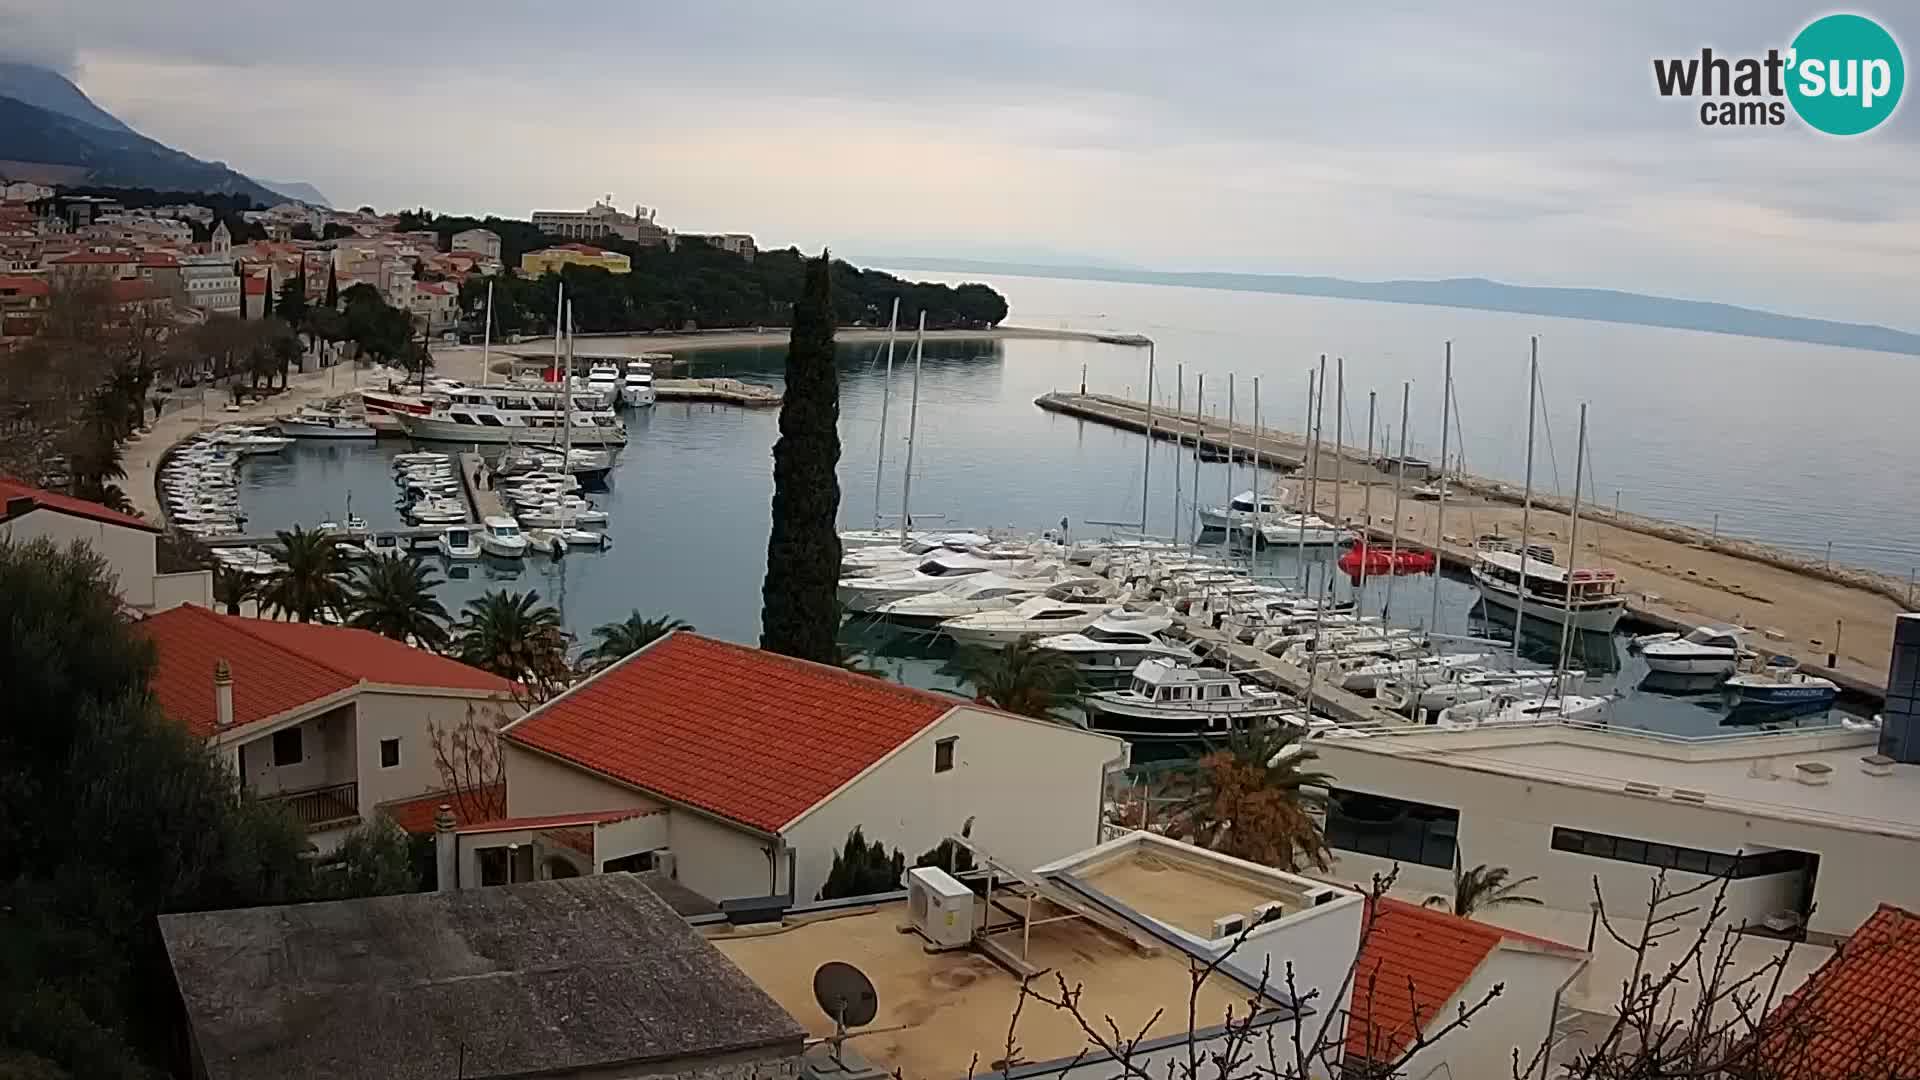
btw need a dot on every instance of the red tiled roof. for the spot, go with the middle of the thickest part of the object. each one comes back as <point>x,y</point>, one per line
<point>751,736</point>
<point>279,666</point>
<point>1857,1015</point>
<point>548,821</point>
<point>18,285</point>
<point>256,286</point>
<point>1437,951</point>
<point>102,257</point>
<point>158,259</point>
<point>11,489</point>
<point>415,815</point>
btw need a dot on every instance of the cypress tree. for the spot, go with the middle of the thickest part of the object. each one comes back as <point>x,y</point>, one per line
<point>799,612</point>
<point>333,289</point>
<point>241,273</point>
<point>266,303</point>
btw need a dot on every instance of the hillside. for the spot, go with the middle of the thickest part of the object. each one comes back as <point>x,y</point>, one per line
<point>116,157</point>
<point>1600,305</point>
<point>300,191</point>
<point>46,89</point>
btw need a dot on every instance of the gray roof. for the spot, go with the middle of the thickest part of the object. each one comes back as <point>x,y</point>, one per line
<point>507,981</point>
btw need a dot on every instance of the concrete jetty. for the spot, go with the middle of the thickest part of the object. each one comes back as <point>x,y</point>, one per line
<point>482,501</point>
<point>723,391</point>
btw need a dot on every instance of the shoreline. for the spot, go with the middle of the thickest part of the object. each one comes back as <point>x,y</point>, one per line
<point>697,341</point>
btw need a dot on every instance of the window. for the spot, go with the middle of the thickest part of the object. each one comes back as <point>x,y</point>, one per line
<point>1391,828</point>
<point>389,753</point>
<point>1675,857</point>
<point>286,747</point>
<point>943,754</point>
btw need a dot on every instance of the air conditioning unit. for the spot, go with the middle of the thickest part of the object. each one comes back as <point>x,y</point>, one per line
<point>939,908</point>
<point>663,864</point>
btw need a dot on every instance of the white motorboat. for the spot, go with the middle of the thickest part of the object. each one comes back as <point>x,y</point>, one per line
<point>561,515</point>
<point>603,382</point>
<point>1780,685</point>
<point>517,414</point>
<point>378,546</point>
<point>865,594</point>
<point>1240,511</point>
<point>1331,638</point>
<point>1510,709</point>
<point>1037,616</point>
<point>1428,692</point>
<point>501,538</point>
<point>1310,530</point>
<point>1171,701</point>
<point>1597,602</point>
<point>984,592</point>
<point>459,542</point>
<point>421,457</point>
<point>1333,658</point>
<point>248,444</point>
<point>546,539</point>
<point>871,559</point>
<point>1704,650</point>
<point>1115,643</point>
<point>636,385</point>
<point>1368,676</point>
<point>324,425</point>
<point>252,561</point>
<point>437,512</point>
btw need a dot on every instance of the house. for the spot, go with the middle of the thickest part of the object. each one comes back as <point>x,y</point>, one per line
<point>436,304</point>
<point>551,260</point>
<point>23,304</point>
<point>1419,967</point>
<point>563,980</point>
<point>94,264</point>
<point>759,765</point>
<point>25,191</point>
<point>482,242</point>
<point>1856,1016</point>
<point>740,244</point>
<point>137,295</point>
<point>332,720</point>
<point>127,543</point>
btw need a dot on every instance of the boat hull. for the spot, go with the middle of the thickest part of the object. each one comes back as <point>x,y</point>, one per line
<point>296,429</point>
<point>1784,695</point>
<point>1597,617</point>
<point>1311,536</point>
<point>1689,663</point>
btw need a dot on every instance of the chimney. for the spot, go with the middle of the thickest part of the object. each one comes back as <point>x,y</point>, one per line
<point>222,695</point>
<point>446,853</point>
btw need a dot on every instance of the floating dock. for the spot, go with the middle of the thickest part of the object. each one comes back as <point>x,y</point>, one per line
<point>724,391</point>
<point>482,501</point>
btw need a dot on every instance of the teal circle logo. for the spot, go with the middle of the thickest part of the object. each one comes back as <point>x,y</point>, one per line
<point>1846,74</point>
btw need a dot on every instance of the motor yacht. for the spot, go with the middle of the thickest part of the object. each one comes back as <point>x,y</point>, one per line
<point>1115,643</point>
<point>501,538</point>
<point>1704,650</point>
<point>1170,701</point>
<point>1420,692</point>
<point>1509,709</point>
<point>936,571</point>
<point>517,414</point>
<point>1779,684</point>
<point>984,593</point>
<point>1241,511</point>
<point>636,385</point>
<point>1035,617</point>
<point>323,425</point>
<point>1368,677</point>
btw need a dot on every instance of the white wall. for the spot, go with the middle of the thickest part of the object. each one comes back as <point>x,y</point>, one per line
<point>409,717</point>
<point>618,839</point>
<point>326,748</point>
<point>1320,943</point>
<point>1034,790</point>
<point>721,861</point>
<point>188,587</point>
<point>1520,1017</point>
<point>1508,821</point>
<point>128,551</point>
<point>538,785</point>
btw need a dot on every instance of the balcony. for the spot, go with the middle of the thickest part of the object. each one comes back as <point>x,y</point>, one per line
<point>322,807</point>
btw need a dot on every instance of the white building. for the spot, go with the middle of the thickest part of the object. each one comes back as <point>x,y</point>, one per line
<point>740,244</point>
<point>25,191</point>
<point>210,283</point>
<point>601,219</point>
<point>330,720</point>
<point>141,228</point>
<point>754,767</point>
<point>484,242</point>
<point>1804,821</point>
<point>125,542</point>
<point>434,304</point>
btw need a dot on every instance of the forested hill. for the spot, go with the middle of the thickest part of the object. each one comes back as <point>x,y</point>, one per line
<point>700,287</point>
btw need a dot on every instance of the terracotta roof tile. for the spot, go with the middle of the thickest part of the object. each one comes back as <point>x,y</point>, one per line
<point>1435,951</point>
<point>1859,1015</point>
<point>66,504</point>
<point>752,736</point>
<point>549,821</point>
<point>279,666</point>
<point>415,815</point>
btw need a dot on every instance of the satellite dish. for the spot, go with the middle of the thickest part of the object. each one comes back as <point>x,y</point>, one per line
<point>845,994</point>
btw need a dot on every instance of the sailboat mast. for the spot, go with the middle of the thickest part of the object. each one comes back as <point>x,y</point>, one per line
<point>1440,511</point>
<point>1228,509</point>
<point>1339,446</point>
<point>1300,511</point>
<point>913,426</point>
<point>1146,461</point>
<point>486,336</point>
<point>1199,429</point>
<point>1259,491</point>
<point>1366,494</point>
<point>1526,504</point>
<point>559,328</point>
<point>1399,475</point>
<point>886,398</point>
<point>1179,440</point>
<point>1573,560</point>
<point>1319,425</point>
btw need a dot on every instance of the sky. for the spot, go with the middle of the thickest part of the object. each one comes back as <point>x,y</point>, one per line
<point>1510,139</point>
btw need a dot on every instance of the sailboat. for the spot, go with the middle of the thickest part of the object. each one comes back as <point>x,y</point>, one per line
<point>564,533</point>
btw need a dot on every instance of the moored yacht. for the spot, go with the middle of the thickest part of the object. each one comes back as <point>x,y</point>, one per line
<point>636,385</point>
<point>1779,684</point>
<point>501,538</point>
<point>323,425</point>
<point>1167,700</point>
<point>1310,530</point>
<point>1509,709</point>
<point>983,592</point>
<point>1241,510</point>
<point>458,542</point>
<point>1427,691</point>
<point>1115,643</point>
<point>603,382</point>
<point>516,414</point>
<point>1369,676</point>
<point>1596,602</point>
<point>866,594</point>
<point>1704,650</point>
<point>1035,617</point>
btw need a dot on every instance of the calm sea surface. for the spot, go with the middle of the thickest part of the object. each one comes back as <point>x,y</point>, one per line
<point>1796,444</point>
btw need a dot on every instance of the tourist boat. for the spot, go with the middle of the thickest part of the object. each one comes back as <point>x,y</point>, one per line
<point>1240,511</point>
<point>511,414</point>
<point>501,537</point>
<point>1310,530</point>
<point>1167,700</point>
<point>1780,684</point>
<point>1367,677</point>
<point>1510,709</point>
<point>636,385</point>
<point>323,425</point>
<point>1035,617</point>
<point>936,571</point>
<point>458,542</point>
<point>1115,643</point>
<point>1431,691</point>
<point>1376,561</point>
<point>1704,650</point>
<point>1596,604</point>
<point>988,592</point>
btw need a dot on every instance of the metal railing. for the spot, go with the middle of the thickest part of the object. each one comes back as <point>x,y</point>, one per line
<point>321,805</point>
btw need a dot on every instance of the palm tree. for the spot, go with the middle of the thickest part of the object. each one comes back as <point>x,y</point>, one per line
<point>1023,679</point>
<point>393,597</point>
<point>617,641</point>
<point>310,586</point>
<point>517,637</point>
<point>1482,886</point>
<point>1253,799</point>
<point>231,588</point>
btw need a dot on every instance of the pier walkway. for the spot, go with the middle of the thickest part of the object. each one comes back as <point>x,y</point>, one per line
<point>1273,448</point>
<point>482,501</point>
<point>725,391</point>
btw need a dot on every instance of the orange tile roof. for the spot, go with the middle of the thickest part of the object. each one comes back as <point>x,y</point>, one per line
<point>751,736</point>
<point>548,821</point>
<point>279,666</point>
<point>1412,958</point>
<point>102,257</point>
<point>11,489</point>
<point>415,815</point>
<point>1857,1015</point>
<point>18,285</point>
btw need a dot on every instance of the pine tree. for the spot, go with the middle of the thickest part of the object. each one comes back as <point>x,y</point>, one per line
<point>333,289</point>
<point>800,614</point>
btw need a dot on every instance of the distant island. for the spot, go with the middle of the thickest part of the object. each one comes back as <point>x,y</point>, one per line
<point>1600,305</point>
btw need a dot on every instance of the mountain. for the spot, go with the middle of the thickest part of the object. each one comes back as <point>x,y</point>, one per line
<point>83,153</point>
<point>1599,305</point>
<point>303,192</point>
<point>46,89</point>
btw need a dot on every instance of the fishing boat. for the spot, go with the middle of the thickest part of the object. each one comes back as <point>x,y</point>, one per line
<point>1170,701</point>
<point>1375,561</point>
<point>636,385</point>
<point>501,537</point>
<point>323,425</point>
<point>1596,602</point>
<point>1780,684</point>
<point>1704,650</point>
<point>1034,617</point>
<point>1115,643</point>
<point>458,542</point>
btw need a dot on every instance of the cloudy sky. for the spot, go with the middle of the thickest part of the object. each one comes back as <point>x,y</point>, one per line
<point>1506,138</point>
